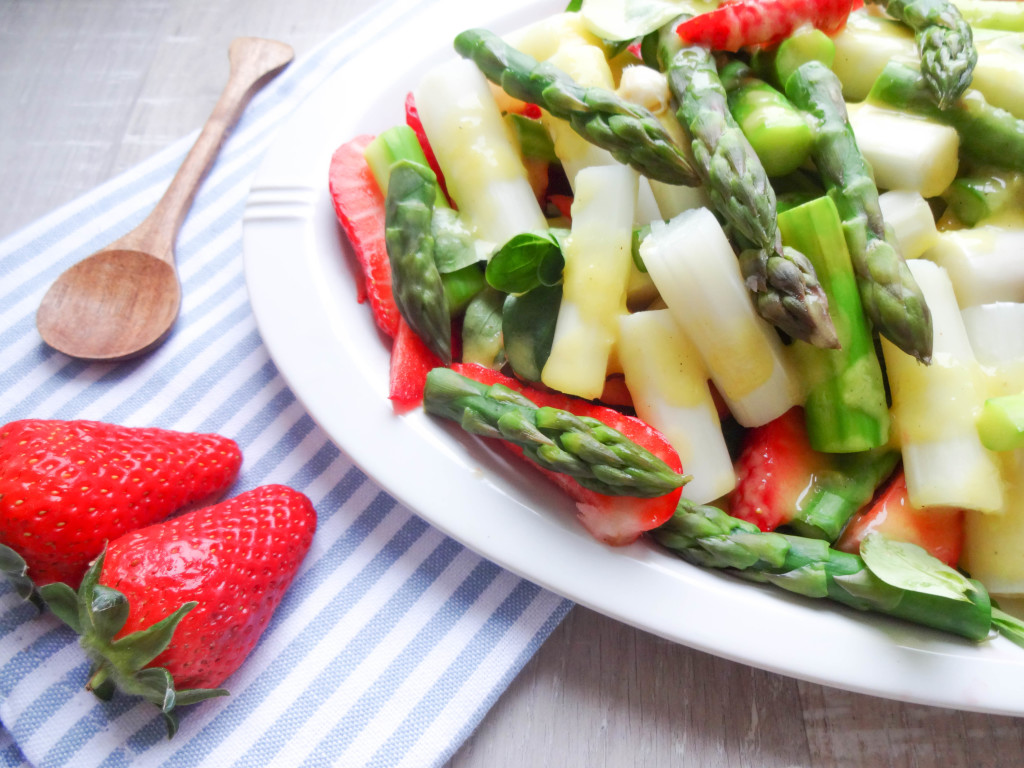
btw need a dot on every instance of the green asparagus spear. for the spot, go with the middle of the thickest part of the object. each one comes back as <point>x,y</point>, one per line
<point>775,128</point>
<point>419,292</point>
<point>891,297</point>
<point>845,409</point>
<point>992,14</point>
<point>595,455</point>
<point>787,291</point>
<point>988,135</point>
<point>894,579</point>
<point>629,132</point>
<point>945,42</point>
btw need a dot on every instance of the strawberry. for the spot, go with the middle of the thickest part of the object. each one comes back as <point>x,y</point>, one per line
<point>782,481</point>
<point>938,530</point>
<point>68,487</point>
<point>775,468</point>
<point>170,611</point>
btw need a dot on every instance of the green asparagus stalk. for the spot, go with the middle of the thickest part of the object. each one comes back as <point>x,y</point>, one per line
<point>455,248</point>
<point>629,132</point>
<point>945,42</point>
<point>1001,423</point>
<point>595,455</point>
<point>419,291</point>
<point>892,299</point>
<point>992,14</point>
<point>988,135</point>
<point>845,409</point>
<point>972,199</point>
<point>787,291</point>
<point>775,129</point>
<point>897,580</point>
<point>841,489</point>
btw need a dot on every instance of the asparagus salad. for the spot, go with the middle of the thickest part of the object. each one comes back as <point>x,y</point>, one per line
<point>746,279</point>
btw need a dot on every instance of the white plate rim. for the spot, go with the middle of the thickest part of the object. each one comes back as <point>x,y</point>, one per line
<point>301,280</point>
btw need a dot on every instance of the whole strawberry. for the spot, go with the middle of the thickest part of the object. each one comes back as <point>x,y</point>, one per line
<point>68,487</point>
<point>170,611</point>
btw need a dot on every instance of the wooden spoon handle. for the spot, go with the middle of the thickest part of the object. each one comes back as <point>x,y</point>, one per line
<point>254,63</point>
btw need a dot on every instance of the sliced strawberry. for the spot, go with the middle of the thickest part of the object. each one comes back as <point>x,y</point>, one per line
<point>939,530</point>
<point>615,520</point>
<point>359,206</point>
<point>170,611</point>
<point>739,23</point>
<point>412,119</point>
<point>411,361</point>
<point>775,469</point>
<point>68,487</point>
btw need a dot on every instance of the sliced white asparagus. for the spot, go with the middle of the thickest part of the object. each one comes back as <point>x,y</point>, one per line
<point>993,543</point>
<point>594,280</point>
<point>935,407</point>
<point>480,162</point>
<point>984,263</point>
<point>699,278</point>
<point>906,151</point>
<point>669,387</point>
<point>910,218</point>
<point>866,44</point>
<point>996,334</point>
<point>1000,69</point>
<point>649,88</point>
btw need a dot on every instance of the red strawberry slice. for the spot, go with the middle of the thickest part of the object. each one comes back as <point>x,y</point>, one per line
<point>359,206</point>
<point>615,520</point>
<point>170,611</point>
<point>775,468</point>
<point>68,487</point>
<point>938,530</point>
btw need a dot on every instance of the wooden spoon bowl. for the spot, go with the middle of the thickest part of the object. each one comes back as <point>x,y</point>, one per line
<point>123,300</point>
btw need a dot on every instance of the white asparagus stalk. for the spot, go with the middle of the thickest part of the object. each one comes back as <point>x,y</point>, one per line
<point>649,88</point>
<point>594,280</point>
<point>984,263</point>
<point>669,387</point>
<point>906,151</point>
<point>935,408</point>
<point>910,218</point>
<point>699,279</point>
<point>866,44</point>
<point>481,165</point>
<point>993,543</point>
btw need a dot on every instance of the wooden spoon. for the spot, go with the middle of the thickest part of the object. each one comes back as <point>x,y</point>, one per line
<point>123,300</point>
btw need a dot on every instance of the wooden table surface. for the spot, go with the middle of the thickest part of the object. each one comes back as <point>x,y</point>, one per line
<point>88,88</point>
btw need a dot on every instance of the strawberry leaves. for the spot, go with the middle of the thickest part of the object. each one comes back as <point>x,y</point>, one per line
<point>14,567</point>
<point>98,613</point>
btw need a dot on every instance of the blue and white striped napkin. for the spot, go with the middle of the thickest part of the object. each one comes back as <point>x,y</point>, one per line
<point>393,641</point>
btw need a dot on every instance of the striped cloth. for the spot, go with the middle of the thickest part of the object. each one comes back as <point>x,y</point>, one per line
<point>393,641</point>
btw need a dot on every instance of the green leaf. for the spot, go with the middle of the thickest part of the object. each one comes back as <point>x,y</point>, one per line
<point>156,686</point>
<point>534,139</point>
<point>1009,626</point>
<point>629,19</point>
<point>145,645</point>
<point>109,611</point>
<point>528,328</point>
<point>869,590</point>
<point>525,262</point>
<point>171,721</point>
<point>908,566</point>
<point>63,601</point>
<point>455,247</point>
<point>196,695</point>
<point>481,330</point>
<point>14,567</point>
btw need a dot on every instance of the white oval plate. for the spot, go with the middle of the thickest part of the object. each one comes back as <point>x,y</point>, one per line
<point>302,281</point>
